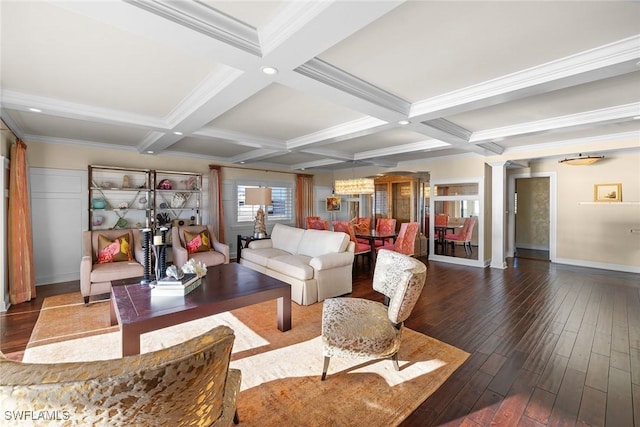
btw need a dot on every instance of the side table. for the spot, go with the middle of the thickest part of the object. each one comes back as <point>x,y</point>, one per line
<point>243,242</point>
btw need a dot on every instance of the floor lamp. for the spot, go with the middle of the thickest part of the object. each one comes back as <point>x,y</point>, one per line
<point>262,197</point>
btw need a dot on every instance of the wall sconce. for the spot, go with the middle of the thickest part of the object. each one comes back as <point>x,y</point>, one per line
<point>354,186</point>
<point>261,197</point>
<point>580,160</point>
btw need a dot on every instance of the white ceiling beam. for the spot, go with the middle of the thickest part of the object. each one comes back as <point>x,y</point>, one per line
<point>602,62</point>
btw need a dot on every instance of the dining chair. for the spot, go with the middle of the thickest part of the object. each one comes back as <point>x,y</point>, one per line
<point>463,237</point>
<point>441,220</point>
<point>406,240</point>
<point>362,225</point>
<point>347,227</point>
<point>385,226</point>
<point>317,223</point>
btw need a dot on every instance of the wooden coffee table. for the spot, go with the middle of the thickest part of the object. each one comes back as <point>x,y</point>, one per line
<point>225,287</point>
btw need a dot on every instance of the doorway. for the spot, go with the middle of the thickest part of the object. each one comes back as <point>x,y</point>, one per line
<point>532,217</point>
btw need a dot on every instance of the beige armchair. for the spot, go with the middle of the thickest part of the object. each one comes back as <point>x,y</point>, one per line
<point>96,277</point>
<point>361,328</point>
<point>215,253</point>
<point>186,384</point>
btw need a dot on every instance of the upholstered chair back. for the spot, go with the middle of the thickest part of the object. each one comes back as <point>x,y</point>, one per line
<point>362,224</point>
<point>186,384</point>
<point>91,241</point>
<point>405,243</point>
<point>467,229</point>
<point>401,278</point>
<point>386,225</point>
<point>442,220</point>
<point>316,223</point>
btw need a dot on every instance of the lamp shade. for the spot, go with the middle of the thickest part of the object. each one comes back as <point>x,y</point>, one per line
<point>258,196</point>
<point>354,186</point>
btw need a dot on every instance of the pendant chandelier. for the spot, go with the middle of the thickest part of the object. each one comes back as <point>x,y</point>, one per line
<point>354,186</point>
<point>580,160</point>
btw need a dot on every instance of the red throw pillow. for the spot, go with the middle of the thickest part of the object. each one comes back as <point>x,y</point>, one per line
<point>197,242</point>
<point>115,250</point>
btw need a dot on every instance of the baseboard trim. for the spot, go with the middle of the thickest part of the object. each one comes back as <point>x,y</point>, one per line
<point>600,265</point>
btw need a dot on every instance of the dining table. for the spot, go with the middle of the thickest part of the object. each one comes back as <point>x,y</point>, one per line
<point>372,235</point>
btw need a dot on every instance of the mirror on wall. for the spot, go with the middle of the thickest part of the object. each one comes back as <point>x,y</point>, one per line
<point>457,212</point>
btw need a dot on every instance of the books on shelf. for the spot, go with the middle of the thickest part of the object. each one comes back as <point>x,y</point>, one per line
<point>175,287</point>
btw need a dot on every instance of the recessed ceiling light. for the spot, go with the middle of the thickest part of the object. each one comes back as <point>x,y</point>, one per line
<point>403,122</point>
<point>149,152</point>
<point>177,133</point>
<point>270,71</point>
<point>242,163</point>
<point>35,110</point>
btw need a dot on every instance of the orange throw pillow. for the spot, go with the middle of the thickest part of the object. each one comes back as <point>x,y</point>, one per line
<point>197,242</point>
<point>115,250</point>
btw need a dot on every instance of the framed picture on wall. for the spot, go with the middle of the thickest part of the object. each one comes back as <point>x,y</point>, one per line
<point>607,193</point>
<point>334,204</point>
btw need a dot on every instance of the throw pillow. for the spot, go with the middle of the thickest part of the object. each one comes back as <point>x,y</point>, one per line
<point>115,250</point>
<point>197,242</point>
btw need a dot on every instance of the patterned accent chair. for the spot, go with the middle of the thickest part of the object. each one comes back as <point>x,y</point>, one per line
<point>213,253</point>
<point>348,228</point>
<point>385,225</point>
<point>96,276</point>
<point>186,384</point>
<point>405,243</point>
<point>317,223</point>
<point>361,328</point>
<point>464,237</point>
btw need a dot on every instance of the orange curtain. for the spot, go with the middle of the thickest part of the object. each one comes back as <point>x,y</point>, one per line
<point>304,198</point>
<point>22,280</point>
<point>216,212</point>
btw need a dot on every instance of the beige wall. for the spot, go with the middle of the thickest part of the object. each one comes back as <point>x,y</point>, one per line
<point>598,233</point>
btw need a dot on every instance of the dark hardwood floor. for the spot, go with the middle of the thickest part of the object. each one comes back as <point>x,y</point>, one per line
<point>549,345</point>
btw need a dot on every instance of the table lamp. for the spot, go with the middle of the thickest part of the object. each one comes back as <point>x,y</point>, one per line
<point>262,197</point>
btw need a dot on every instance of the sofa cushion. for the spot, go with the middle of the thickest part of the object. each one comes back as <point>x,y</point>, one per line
<point>114,250</point>
<point>296,266</point>
<point>261,256</point>
<point>286,238</point>
<point>115,271</point>
<point>315,243</point>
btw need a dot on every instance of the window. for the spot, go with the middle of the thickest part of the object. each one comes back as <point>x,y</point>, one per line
<point>280,209</point>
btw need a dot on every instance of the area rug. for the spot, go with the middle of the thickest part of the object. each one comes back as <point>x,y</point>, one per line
<point>280,371</point>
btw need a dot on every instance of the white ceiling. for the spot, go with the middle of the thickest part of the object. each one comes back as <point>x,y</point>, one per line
<point>481,77</point>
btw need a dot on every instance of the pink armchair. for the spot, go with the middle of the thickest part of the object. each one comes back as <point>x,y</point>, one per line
<point>405,243</point>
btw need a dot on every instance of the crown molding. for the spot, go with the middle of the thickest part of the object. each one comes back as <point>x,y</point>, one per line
<point>620,57</point>
<point>12,100</point>
<point>450,128</point>
<point>204,92</point>
<point>256,155</point>
<point>429,145</point>
<point>349,130</point>
<point>617,113</point>
<point>330,75</point>
<point>205,20</point>
<point>290,19</point>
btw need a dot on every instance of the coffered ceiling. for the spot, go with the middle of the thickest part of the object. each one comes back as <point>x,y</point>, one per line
<point>184,78</point>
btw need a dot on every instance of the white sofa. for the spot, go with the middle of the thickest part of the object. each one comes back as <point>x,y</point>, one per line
<point>317,264</point>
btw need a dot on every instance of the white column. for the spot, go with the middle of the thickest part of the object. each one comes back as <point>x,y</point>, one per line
<point>498,213</point>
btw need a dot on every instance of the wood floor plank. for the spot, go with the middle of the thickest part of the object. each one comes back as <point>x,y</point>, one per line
<point>540,406</point>
<point>593,407</point>
<point>567,403</point>
<point>619,399</point>
<point>598,372</point>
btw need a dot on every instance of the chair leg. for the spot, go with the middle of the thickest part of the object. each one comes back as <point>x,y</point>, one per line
<point>325,368</point>
<point>236,419</point>
<point>394,358</point>
<point>86,300</point>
